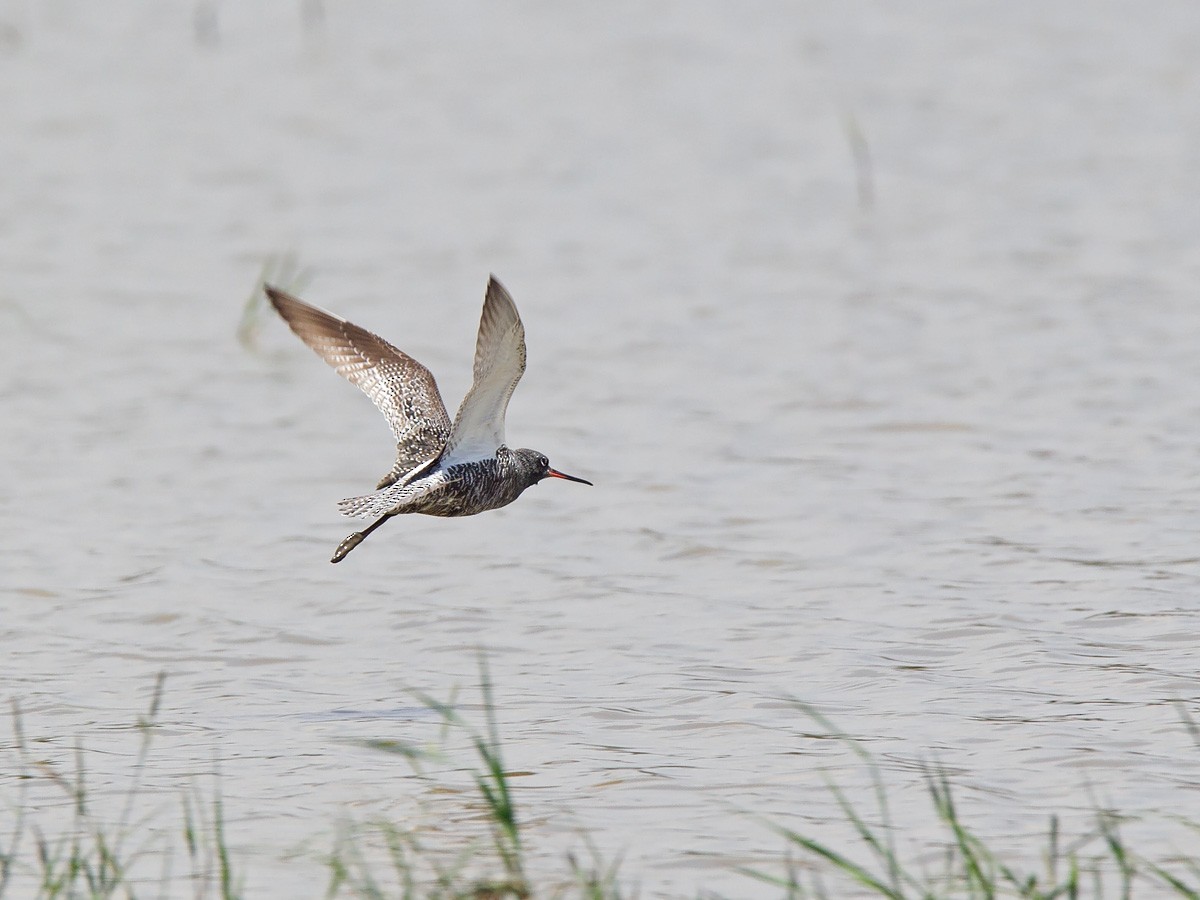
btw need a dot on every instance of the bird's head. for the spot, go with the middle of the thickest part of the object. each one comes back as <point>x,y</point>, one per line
<point>536,467</point>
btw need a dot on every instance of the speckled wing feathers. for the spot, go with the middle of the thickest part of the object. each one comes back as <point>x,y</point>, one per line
<point>403,389</point>
<point>499,363</point>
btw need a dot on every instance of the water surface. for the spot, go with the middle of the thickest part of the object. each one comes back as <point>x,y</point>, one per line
<point>875,328</point>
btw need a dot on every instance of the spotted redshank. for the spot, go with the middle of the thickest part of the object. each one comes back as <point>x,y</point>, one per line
<point>441,469</point>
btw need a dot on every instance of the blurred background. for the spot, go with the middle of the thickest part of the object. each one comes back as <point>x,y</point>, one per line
<point>875,326</point>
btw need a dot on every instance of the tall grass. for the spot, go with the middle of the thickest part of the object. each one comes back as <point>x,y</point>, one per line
<point>95,854</point>
<point>102,854</point>
<point>1096,863</point>
<point>493,872</point>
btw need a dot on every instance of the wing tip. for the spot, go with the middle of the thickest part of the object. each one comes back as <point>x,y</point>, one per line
<point>499,308</point>
<point>282,300</point>
<point>496,288</point>
<point>302,315</point>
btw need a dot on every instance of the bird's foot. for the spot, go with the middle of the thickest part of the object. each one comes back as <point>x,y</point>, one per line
<point>346,546</point>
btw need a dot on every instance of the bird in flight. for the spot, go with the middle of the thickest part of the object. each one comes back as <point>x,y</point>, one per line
<point>442,468</point>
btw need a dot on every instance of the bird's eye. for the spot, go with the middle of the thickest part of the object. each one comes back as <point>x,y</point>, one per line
<point>543,462</point>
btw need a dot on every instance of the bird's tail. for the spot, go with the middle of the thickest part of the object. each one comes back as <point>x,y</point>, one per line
<point>375,504</point>
<point>389,501</point>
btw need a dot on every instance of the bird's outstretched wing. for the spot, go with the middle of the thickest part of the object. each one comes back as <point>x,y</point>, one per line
<point>403,389</point>
<point>478,430</point>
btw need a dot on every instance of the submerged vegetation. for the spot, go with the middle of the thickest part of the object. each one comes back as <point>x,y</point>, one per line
<point>1094,864</point>
<point>75,848</point>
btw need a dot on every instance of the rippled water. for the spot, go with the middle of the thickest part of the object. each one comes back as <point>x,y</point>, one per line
<point>876,328</point>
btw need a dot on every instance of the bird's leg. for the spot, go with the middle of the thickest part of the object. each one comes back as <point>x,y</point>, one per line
<point>355,539</point>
